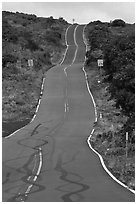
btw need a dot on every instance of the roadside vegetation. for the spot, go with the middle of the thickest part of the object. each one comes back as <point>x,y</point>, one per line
<point>30,46</point>
<point>113,88</point>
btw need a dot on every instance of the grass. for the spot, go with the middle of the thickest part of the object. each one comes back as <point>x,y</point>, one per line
<point>20,99</point>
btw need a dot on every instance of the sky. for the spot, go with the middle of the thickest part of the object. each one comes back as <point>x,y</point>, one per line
<point>82,12</point>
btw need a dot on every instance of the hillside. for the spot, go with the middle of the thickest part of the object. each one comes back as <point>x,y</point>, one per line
<point>30,46</point>
<point>113,87</point>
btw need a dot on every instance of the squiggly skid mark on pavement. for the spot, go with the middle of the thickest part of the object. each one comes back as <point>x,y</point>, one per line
<point>72,194</point>
<point>28,173</point>
<point>22,196</point>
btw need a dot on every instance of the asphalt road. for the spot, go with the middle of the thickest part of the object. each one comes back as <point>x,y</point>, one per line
<point>49,160</point>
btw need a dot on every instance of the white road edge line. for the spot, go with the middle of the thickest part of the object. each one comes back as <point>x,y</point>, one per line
<point>66,45</point>
<point>65,107</point>
<point>75,44</point>
<point>89,138</point>
<point>41,90</point>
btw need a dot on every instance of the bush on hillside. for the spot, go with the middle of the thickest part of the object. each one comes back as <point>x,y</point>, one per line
<point>9,33</point>
<point>118,22</point>
<point>8,58</point>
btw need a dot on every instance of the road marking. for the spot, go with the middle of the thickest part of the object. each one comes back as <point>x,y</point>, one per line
<point>65,69</point>
<point>43,83</point>
<point>89,138</point>
<point>35,163</point>
<point>65,107</point>
<point>75,51</point>
<point>66,45</point>
<point>75,44</point>
<point>37,173</point>
<point>44,78</point>
<point>42,89</point>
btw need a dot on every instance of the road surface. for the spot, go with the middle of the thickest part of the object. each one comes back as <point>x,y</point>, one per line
<point>49,160</point>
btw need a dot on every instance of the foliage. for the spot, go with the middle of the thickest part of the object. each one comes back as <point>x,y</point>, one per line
<point>53,37</point>
<point>9,33</point>
<point>118,22</point>
<point>117,48</point>
<point>120,70</point>
<point>115,43</point>
<point>99,34</point>
<point>26,37</point>
<point>8,58</point>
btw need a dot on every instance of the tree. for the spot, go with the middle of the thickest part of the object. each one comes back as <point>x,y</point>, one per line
<point>119,66</point>
<point>118,22</point>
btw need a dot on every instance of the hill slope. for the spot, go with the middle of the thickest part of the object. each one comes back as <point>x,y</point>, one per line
<point>30,46</point>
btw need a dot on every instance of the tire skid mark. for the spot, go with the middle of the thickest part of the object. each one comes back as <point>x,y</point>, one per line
<point>30,176</point>
<point>33,132</point>
<point>28,179</point>
<point>68,197</point>
<point>7,178</point>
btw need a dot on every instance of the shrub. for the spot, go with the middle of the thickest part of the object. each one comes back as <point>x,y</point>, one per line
<point>118,22</point>
<point>8,32</point>
<point>8,58</point>
<point>32,45</point>
<point>9,70</point>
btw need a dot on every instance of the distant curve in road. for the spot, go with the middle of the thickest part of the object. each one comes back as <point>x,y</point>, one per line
<point>49,159</point>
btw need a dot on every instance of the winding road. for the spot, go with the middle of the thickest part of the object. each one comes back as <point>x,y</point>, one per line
<point>49,160</point>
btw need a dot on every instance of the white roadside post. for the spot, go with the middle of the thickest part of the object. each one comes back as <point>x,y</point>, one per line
<point>100,115</point>
<point>113,135</point>
<point>126,144</point>
<point>126,149</point>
